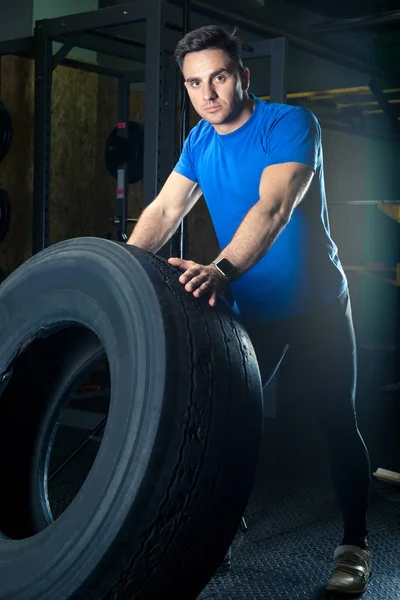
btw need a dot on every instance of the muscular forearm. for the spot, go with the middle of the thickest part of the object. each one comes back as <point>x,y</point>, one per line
<point>154,228</point>
<point>254,237</point>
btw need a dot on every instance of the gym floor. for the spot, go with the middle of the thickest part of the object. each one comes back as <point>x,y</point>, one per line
<point>293,527</point>
<point>293,519</point>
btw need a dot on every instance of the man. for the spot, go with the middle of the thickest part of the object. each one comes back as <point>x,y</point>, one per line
<point>260,169</point>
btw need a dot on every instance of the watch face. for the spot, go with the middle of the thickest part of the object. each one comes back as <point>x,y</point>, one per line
<point>226,267</point>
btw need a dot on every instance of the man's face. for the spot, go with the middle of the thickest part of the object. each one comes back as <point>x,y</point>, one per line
<point>216,90</point>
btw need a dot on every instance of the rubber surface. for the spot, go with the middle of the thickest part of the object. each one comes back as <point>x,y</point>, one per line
<point>176,466</point>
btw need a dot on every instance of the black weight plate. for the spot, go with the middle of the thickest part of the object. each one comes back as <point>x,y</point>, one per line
<point>5,213</point>
<point>5,131</point>
<point>120,151</point>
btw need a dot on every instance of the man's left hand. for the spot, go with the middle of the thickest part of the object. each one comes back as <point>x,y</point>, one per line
<point>200,279</point>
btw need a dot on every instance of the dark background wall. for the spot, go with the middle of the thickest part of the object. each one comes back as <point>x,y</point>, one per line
<point>16,19</point>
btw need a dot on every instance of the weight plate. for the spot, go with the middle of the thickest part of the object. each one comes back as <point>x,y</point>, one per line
<point>120,151</point>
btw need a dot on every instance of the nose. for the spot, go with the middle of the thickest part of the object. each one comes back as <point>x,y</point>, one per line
<point>208,92</point>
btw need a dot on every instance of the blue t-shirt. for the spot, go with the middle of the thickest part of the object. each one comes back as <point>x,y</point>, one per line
<point>301,270</point>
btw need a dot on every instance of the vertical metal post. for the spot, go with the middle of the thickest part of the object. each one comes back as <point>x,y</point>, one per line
<point>185,126</point>
<point>153,104</point>
<point>278,70</point>
<point>122,171</point>
<point>167,137</point>
<point>167,142</point>
<point>42,140</point>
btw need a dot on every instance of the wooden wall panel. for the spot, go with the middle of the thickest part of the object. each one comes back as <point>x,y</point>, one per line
<point>74,210</point>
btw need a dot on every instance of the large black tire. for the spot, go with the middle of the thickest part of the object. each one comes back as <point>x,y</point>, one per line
<point>175,469</point>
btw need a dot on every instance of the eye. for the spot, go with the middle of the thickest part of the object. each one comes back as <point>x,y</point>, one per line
<point>194,84</point>
<point>220,78</point>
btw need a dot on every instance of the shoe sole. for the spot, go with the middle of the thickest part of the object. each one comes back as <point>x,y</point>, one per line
<point>342,592</point>
<point>353,592</point>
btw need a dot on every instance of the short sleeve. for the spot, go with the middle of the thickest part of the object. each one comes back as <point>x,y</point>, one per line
<point>295,137</point>
<point>186,164</point>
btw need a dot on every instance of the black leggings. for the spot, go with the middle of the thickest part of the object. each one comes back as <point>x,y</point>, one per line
<point>320,350</point>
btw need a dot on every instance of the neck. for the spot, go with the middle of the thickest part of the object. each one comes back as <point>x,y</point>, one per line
<point>243,115</point>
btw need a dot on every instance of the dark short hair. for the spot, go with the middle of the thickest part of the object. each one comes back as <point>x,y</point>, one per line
<point>210,37</point>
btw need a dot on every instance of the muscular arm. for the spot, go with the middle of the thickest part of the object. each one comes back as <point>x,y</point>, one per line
<point>282,188</point>
<point>161,218</point>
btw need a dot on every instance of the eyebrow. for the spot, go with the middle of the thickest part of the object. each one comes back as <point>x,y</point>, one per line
<point>214,74</point>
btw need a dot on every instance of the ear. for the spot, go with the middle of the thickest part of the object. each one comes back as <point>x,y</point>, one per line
<point>245,77</point>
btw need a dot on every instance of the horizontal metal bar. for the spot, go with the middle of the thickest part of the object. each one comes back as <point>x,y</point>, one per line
<point>329,94</point>
<point>362,202</point>
<point>22,46</point>
<point>89,41</point>
<point>117,38</point>
<point>353,24</point>
<point>112,16</point>
<point>379,111</point>
<point>341,105</point>
<point>132,76</point>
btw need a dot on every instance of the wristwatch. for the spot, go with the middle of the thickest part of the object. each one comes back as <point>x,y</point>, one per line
<point>225,267</point>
